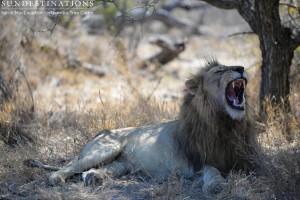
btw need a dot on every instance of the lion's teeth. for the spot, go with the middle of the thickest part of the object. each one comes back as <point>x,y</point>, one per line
<point>233,84</point>
<point>236,103</point>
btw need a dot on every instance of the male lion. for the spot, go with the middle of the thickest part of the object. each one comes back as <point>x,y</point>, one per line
<point>213,134</point>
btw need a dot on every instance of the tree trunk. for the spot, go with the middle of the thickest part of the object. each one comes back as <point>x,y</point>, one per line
<point>277,54</point>
<point>275,85</point>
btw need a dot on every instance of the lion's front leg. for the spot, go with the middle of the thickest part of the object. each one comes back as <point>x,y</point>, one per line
<point>212,179</point>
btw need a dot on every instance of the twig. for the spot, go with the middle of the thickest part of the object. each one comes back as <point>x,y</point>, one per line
<point>241,33</point>
<point>55,23</point>
<point>224,4</point>
<point>288,5</point>
<point>102,103</point>
<point>29,88</point>
<point>154,89</point>
<point>4,90</point>
<point>291,20</point>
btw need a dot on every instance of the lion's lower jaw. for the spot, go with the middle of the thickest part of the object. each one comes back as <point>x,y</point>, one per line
<point>235,114</point>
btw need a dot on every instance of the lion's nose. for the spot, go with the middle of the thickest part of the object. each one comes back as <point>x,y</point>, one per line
<point>238,69</point>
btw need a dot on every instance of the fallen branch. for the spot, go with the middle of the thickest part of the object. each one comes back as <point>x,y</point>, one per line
<point>74,63</point>
<point>169,51</point>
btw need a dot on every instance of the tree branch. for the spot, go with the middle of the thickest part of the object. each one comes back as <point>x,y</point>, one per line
<point>224,4</point>
<point>244,7</point>
<point>246,10</point>
<point>169,20</point>
<point>183,5</point>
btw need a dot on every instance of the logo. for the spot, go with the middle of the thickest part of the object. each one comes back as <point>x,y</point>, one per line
<point>51,7</point>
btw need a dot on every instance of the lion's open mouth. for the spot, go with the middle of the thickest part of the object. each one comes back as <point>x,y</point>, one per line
<point>235,94</point>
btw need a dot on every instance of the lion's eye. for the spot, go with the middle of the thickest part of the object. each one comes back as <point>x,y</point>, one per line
<point>220,71</point>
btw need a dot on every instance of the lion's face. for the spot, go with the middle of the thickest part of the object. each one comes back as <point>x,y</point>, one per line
<point>226,87</point>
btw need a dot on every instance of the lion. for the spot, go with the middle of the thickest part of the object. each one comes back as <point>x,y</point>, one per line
<point>213,135</point>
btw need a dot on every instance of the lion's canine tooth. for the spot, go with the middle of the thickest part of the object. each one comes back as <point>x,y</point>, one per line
<point>233,84</point>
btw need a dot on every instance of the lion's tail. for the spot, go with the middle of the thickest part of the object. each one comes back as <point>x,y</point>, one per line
<point>38,164</point>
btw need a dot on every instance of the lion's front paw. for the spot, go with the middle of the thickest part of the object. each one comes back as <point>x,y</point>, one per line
<point>92,178</point>
<point>56,179</point>
<point>213,188</point>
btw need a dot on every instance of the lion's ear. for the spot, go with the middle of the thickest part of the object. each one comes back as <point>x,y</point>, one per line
<point>191,87</point>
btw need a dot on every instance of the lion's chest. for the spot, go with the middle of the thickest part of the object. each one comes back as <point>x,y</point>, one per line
<point>222,154</point>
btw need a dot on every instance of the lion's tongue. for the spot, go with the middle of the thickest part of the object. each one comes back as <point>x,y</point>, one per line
<point>231,94</point>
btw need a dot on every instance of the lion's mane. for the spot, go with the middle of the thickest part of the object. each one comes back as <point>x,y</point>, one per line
<point>207,135</point>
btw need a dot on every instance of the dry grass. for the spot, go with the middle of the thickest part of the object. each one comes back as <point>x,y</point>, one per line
<point>281,142</point>
<point>63,134</point>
